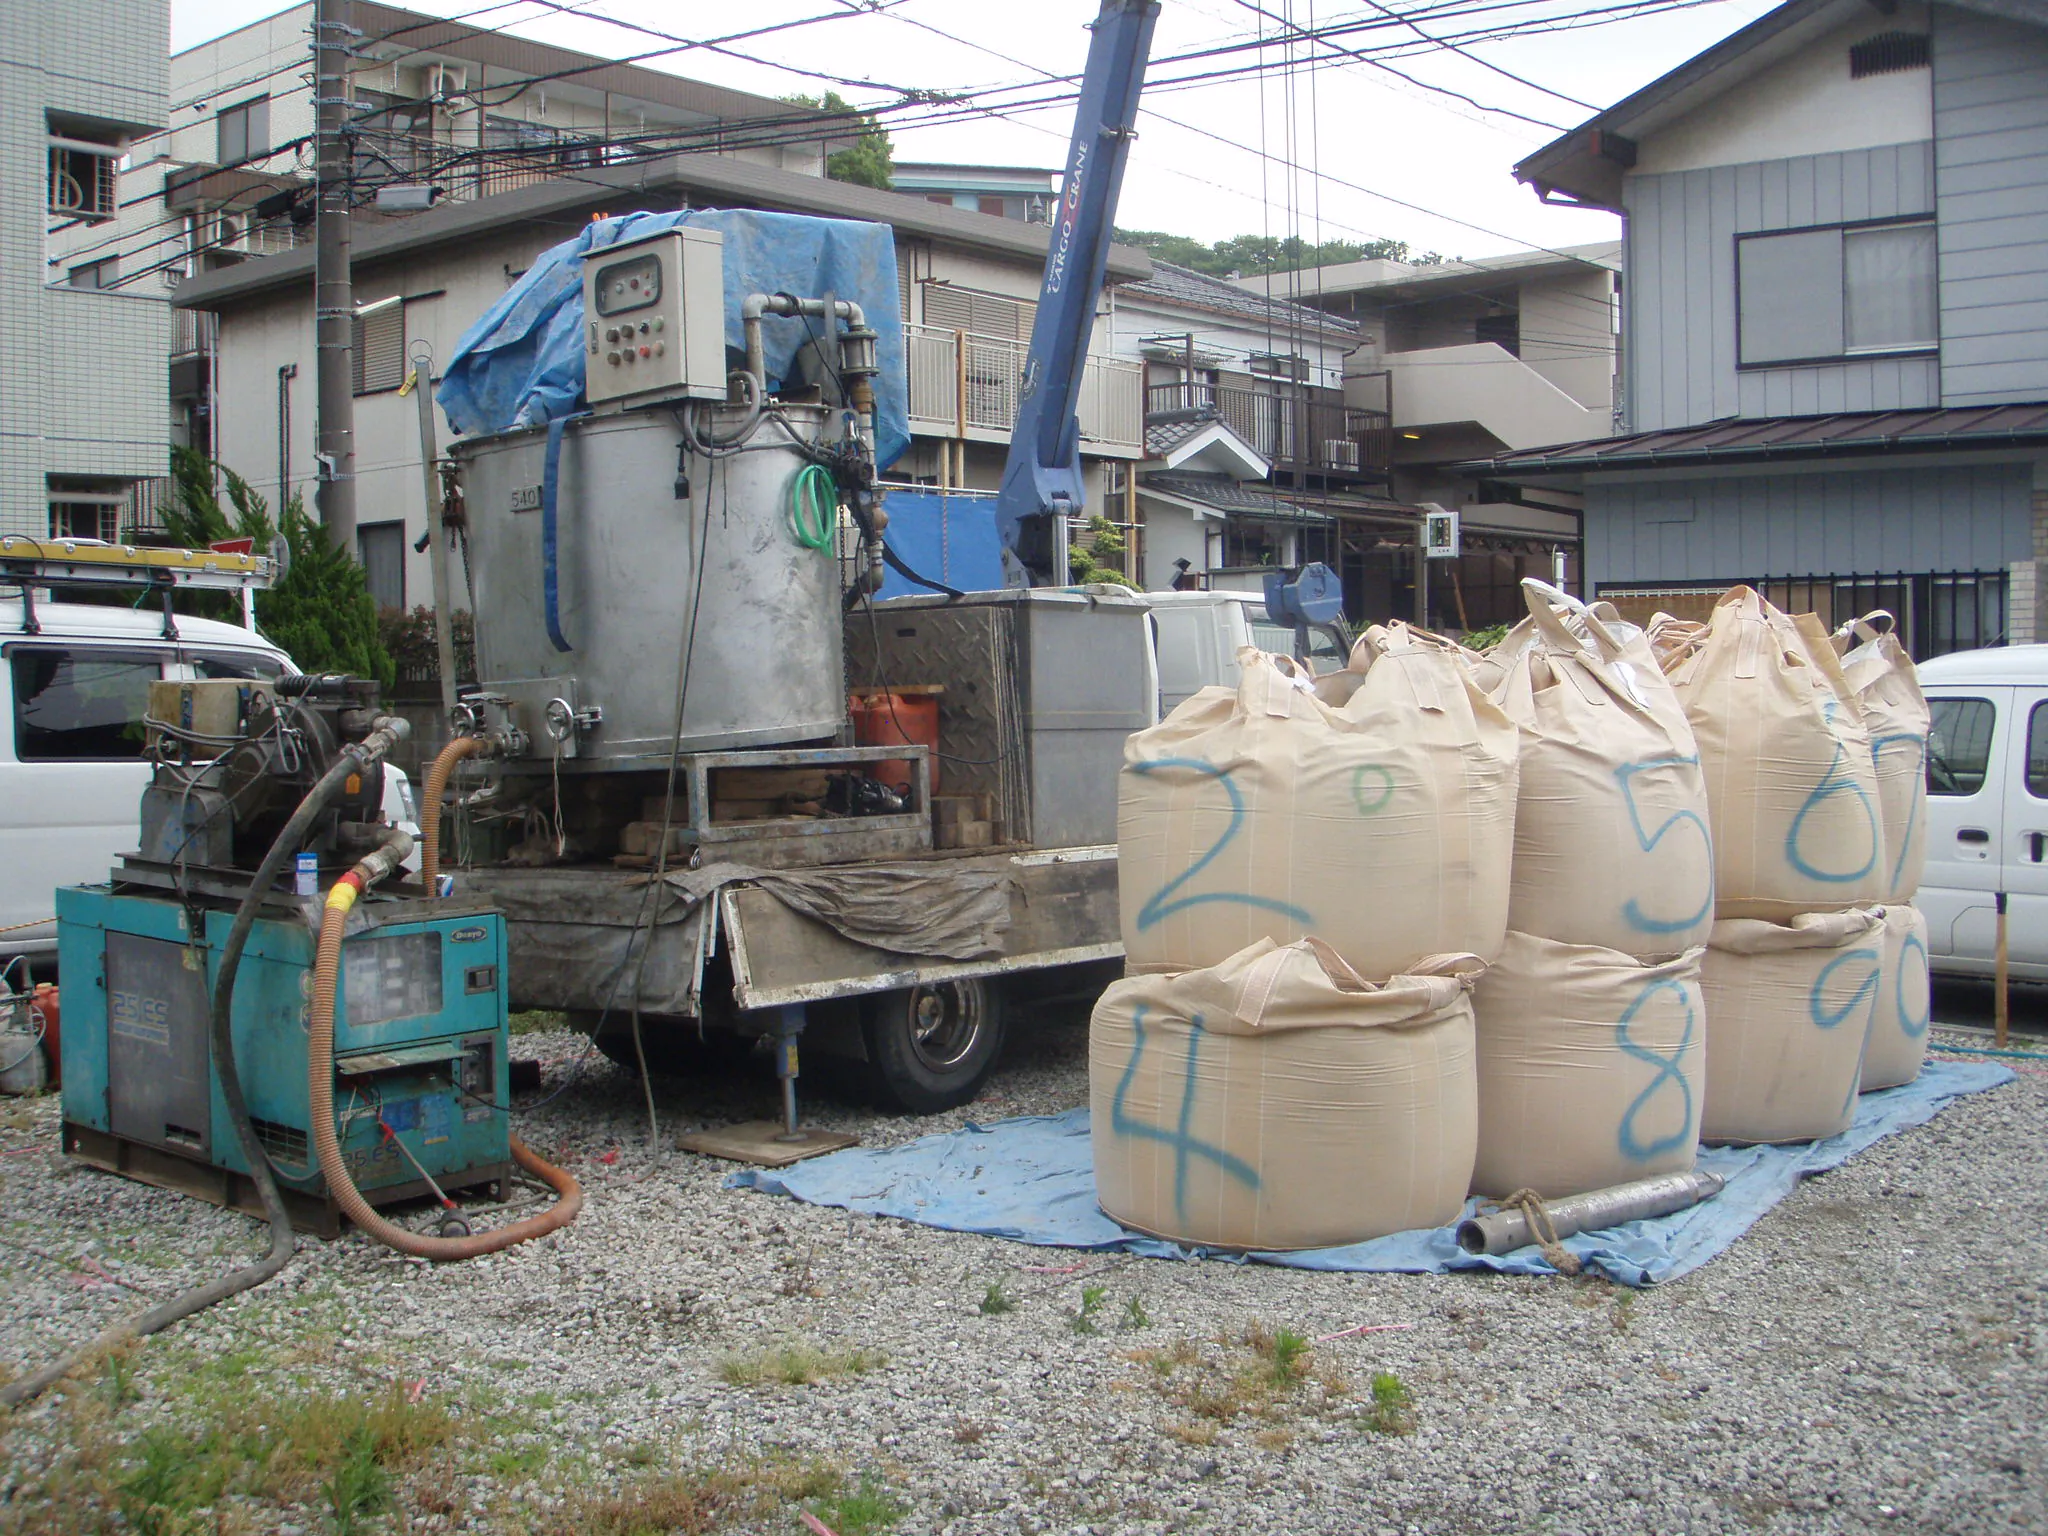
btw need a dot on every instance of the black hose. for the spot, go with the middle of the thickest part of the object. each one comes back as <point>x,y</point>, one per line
<point>198,1299</point>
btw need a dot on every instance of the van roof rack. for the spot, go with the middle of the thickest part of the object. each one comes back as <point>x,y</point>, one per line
<point>30,563</point>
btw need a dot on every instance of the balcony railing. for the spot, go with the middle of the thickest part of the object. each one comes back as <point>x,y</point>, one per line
<point>964,385</point>
<point>194,332</point>
<point>1312,432</point>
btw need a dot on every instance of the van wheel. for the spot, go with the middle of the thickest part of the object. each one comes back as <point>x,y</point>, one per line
<point>932,1047</point>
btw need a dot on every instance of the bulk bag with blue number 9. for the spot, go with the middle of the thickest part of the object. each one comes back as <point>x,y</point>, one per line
<point>1280,1100</point>
<point>1611,843</point>
<point>1792,792</point>
<point>1383,826</point>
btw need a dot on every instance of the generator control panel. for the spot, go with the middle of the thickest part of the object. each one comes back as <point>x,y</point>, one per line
<point>654,318</point>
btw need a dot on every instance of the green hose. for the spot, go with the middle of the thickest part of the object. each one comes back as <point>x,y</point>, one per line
<point>814,507</point>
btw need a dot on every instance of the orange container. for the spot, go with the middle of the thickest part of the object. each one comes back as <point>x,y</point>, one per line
<point>892,719</point>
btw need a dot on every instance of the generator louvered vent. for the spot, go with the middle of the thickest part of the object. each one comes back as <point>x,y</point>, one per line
<point>1887,54</point>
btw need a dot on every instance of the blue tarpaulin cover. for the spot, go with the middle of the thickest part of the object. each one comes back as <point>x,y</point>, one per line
<point>945,536</point>
<point>521,365</point>
<point>1033,1180</point>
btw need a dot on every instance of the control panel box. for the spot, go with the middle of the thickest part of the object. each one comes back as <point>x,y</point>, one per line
<point>654,318</point>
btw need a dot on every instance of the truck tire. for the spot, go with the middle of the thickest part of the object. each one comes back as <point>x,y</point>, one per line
<point>932,1047</point>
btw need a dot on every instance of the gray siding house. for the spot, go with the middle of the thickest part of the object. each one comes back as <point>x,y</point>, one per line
<point>1834,369</point>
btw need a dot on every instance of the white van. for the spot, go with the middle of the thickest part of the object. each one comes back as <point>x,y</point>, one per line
<point>73,692</point>
<point>1197,636</point>
<point>1987,809</point>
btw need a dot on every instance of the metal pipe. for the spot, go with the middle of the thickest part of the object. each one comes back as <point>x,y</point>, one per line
<point>437,547</point>
<point>755,305</point>
<point>1505,1231</point>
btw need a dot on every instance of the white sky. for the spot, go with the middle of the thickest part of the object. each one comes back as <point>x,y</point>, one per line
<point>1355,125</point>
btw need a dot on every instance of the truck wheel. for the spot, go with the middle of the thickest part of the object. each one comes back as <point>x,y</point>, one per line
<point>932,1047</point>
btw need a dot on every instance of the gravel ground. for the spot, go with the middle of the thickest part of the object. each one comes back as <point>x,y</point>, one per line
<point>1868,1358</point>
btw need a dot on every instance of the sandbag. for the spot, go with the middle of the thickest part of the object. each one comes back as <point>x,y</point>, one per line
<point>1611,844</point>
<point>1905,1006</point>
<point>1592,1067</point>
<point>1886,687</point>
<point>1789,1009</point>
<point>1385,826</point>
<point>1792,794</point>
<point>1278,1100</point>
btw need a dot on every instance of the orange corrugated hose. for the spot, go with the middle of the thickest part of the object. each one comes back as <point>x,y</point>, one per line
<point>430,807</point>
<point>320,1073</point>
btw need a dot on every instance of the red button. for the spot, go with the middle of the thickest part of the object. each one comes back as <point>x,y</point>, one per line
<point>644,352</point>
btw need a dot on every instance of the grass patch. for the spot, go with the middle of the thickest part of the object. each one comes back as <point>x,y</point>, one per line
<point>1082,1318</point>
<point>1262,1378</point>
<point>699,1503</point>
<point>796,1364</point>
<point>537,1021</point>
<point>995,1301</point>
<point>864,1511</point>
<point>1392,1410</point>
<point>1135,1315</point>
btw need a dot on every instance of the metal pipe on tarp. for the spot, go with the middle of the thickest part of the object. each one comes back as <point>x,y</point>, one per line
<point>1505,1231</point>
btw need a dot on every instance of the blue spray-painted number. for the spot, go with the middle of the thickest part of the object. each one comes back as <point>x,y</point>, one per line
<point>1164,903</point>
<point>1919,745</point>
<point>1834,782</point>
<point>1632,910</point>
<point>1912,1028</point>
<point>1185,1144</point>
<point>1669,1070</point>
<point>1817,1008</point>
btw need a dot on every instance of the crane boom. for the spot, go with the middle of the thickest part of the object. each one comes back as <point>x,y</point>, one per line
<point>1042,476</point>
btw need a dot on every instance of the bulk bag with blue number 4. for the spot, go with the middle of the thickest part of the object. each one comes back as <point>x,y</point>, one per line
<point>1792,792</point>
<point>1611,843</point>
<point>1279,1100</point>
<point>1898,1028</point>
<point>1885,684</point>
<point>1592,1067</point>
<point>1789,1011</point>
<point>1384,826</point>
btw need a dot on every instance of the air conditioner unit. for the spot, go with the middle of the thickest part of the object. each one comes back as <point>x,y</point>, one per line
<point>230,233</point>
<point>1340,453</point>
<point>444,81</point>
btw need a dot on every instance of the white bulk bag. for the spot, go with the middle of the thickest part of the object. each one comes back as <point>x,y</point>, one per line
<point>1789,1008</point>
<point>1791,790</point>
<point>1611,843</point>
<point>1592,1067</point>
<point>1278,1100</point>
<point>1886,686</point>
<point>1898,1030</point>
<point>1385,826</point>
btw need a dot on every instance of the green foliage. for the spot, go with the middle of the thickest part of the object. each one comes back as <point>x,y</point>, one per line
<point>1485,639</point>
<point>1390,1413</point>
<point>414,648</point>
<point>320,611</point>
<point>358,1485</point>
<point>871,162</point>
<point>1135,1315</point>
<point>1290,1355</point>
<point>1256,255</point>
<point>995,1301</point>
<point>865,1511</point>
<point>1082,1319</point>
<point>1101,558</point>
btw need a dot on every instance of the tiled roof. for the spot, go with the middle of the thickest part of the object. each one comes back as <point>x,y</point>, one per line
<point>1182,285</point>
<point>1233,498</point>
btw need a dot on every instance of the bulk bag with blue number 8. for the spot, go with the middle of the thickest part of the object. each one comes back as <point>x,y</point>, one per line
<point>1280,1100</point>
<point>1611,843</point>
<point>1789,1012</point>
<point>1792,792</point>
<point>1384,826</point>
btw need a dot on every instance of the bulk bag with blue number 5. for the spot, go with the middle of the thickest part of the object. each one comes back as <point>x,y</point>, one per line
<point>1384,826</point>
<point>1279,1100</point>
<point>1792,793</point>
<point>1611,844</point>
<point>1789,1010</point>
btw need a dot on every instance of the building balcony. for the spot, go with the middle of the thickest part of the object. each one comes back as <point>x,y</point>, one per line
<point>965,386</point>
<point>1480,384</point>
<point>1298,431</point>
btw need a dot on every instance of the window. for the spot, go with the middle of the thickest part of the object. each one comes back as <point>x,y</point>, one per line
<point>86,517</point>
<point>80,706</point>
<point>1815,295</point>
<point>2037,752</point>
<point>381,548</point>
<point>1278,365</point>
<point>1504,331</point>
<point>243,131</point>
<point>1959,745</point>
<point>379,349</point>
<point>999,206</point>
<point>95,274</point>
<point>83,179</point>
<point>237,664</point>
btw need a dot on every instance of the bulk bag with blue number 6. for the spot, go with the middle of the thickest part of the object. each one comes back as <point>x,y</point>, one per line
<point>1280,1100</point>
<point>1611,844</point>
<point>1384,826</point>
<point>1592,1067</point>
<point>1792,792</point>
<point>1905,1006</point>
<point>1789,1010</point>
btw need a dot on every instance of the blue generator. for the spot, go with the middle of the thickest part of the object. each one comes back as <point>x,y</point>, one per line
<point>421,1089</point>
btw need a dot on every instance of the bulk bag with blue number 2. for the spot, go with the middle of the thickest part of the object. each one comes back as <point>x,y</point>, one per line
<point>1592,1067</point>
<point>1384,826</point>
<point>1789,1011</point>
<point>1791,789</point>
<point>1280,1100</point>
<point>1611,843</point>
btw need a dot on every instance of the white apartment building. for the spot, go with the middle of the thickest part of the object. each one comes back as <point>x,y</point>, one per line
<point>82,417</point>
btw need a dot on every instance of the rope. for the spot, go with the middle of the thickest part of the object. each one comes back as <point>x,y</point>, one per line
<point>1531,1205</point>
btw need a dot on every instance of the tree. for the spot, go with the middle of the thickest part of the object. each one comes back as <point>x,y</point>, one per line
<point>871,162</point>
<point>1258,255</point>
<point>320,611</point>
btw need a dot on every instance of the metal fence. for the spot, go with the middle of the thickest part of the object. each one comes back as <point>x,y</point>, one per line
<point>1311,431</point>
<point>1937,611</point>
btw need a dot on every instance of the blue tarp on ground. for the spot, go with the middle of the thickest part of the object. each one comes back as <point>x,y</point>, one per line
<point>521,365</point>
<point>1032,1180</point>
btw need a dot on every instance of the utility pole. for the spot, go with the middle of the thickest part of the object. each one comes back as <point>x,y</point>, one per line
<point>333,290</point>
